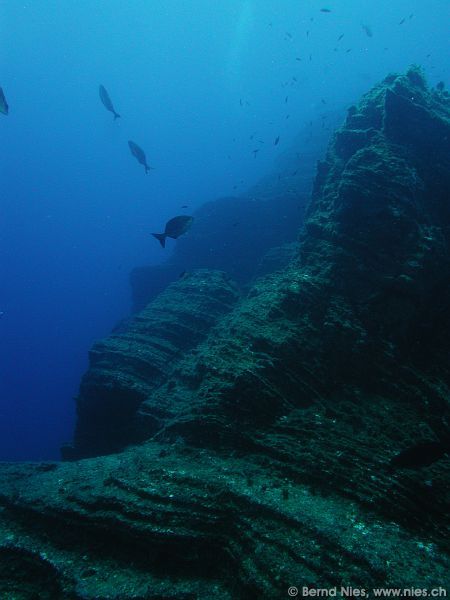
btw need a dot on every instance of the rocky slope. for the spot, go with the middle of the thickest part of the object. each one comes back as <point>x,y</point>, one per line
<point>263,425</point>
<point>233,234</point>
<point>230,234</point>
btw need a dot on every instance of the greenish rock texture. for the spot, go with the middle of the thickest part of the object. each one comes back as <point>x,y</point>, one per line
<point>253,432</point>
<point>126,368</point>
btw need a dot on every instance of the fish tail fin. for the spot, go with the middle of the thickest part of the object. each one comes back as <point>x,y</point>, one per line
<point>116,116</point>
<point>161,237</point>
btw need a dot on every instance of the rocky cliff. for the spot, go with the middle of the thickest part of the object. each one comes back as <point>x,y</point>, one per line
<point>233,234</point>
<point>256,432</point>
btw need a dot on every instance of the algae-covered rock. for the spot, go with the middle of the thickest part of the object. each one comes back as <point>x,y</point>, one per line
<point>126,367</point>
<point>261,427</point>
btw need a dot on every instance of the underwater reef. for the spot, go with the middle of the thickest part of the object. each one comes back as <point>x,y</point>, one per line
<point>234,442</point>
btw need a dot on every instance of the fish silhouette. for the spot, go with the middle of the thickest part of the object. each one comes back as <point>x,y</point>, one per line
<point>174,228</point>
<point>106,101</point>
<point>137,152</point>
<point>4,108</point>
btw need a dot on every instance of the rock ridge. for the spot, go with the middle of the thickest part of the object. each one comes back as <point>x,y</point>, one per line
<point>261,424</point>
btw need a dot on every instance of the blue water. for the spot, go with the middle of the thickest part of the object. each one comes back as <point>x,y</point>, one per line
<point>192,79</point>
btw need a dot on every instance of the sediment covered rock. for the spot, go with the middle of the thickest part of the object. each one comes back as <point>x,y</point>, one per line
<point>265,447</point>
<point>127,367</point>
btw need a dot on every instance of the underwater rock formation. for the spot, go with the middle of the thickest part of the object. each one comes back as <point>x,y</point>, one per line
<point>127,367</point>
<point>264,425</point>
<point>230,234</point>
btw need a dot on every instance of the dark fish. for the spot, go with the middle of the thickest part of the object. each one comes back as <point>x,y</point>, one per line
<point>298,58</point>
<point>4,108</point>
<point>240,102</point>
<point>106,101</point>
<point>289,34</point>
<point>325,10</point>
<point>307,33</point>
<point>255,152</point>
<point>340,37</point>
<point>174,228</point>
<point>367,30</point>
<point>310,57</point>
<point>323,101</point>
<point>423,454</point>
<point>277,139</point>
<point>139,154</point>
<point>348,50</point>
<point>286,99</point>
<point>402,21</point>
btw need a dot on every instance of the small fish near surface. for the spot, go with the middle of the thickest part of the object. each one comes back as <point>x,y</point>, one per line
<point>277,139</point>
<point>174,228</point>
<point>367,30</point>
<point>139,154</point>
<point>106,101</point>
<point>4,108</point>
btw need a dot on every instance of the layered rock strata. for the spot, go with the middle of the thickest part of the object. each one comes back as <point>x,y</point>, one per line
<point>264,459</point>
<point>127,367</point>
